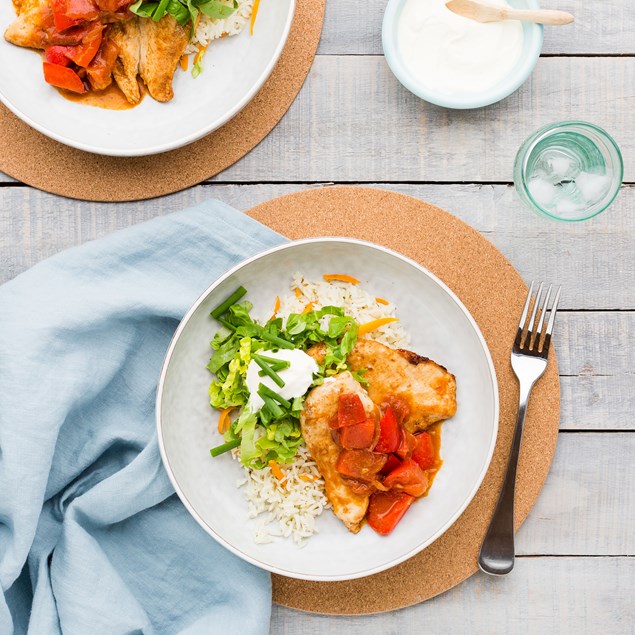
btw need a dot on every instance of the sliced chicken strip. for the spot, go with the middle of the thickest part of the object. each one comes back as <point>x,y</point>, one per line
<point>162,45</point>
<point>27,30</point>
<point>320,408</point>
<point>127,37</point>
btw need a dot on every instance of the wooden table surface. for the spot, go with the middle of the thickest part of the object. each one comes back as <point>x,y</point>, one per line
<point>354,123</point>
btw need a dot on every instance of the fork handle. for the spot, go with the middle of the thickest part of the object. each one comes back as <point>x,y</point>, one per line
<point>497,551</point>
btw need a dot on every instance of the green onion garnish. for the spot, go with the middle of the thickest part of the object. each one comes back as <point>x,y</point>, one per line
<point>268,370</point>
<point>272,406</point>
<point>225,447</point>
<point>265,391</point>
<point>278,341</point>
<point>274,363</point>
<point>232,299</point>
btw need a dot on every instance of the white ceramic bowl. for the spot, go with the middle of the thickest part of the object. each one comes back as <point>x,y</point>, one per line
<point>235,69</point>
<point>532,46</point>
<point>441,328</point>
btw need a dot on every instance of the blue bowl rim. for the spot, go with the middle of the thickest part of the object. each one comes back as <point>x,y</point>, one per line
<point>491,96</point>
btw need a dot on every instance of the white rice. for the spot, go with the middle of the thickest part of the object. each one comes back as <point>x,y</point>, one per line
<point>209,29</point>
<point>286,507</point>
<point>289,508</point>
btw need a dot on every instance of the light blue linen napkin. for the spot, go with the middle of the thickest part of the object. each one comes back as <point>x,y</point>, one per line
<point>92,537</point>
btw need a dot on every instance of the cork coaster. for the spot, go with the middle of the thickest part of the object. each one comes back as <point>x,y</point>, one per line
<point>36,160</point>
<point>494,293</point>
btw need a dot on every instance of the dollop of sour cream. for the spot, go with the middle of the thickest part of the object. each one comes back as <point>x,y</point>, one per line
<point>453,55</point>
<point>297,378</point>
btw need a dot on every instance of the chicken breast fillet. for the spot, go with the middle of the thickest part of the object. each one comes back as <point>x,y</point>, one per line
<point>427,390</point>
<point>162,46</point>
<point>26,30</point>
<point>320,407</point>
<point>127,36</point>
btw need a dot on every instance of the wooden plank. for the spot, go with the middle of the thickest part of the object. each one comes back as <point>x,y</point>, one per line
<point>606,27</point>
<point>593,260</point>
<point>585,596</point>
<point>353,121</point>
<point>587,506</point>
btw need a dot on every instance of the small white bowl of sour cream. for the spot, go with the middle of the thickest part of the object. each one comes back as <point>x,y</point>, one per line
<point>456,62</point>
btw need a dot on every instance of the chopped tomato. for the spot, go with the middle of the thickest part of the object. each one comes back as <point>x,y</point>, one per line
<point>360,464</point>
<point>386,509</point>
<point>350,411</point>
<point>84,53</point>
<point>63,77</point>
<point>390,434</point>
<point>100,69</point>
<point>361,436</point>
<point>407,445</point>
<point>423,454</point>
<point>57,55</point>
<point>392,462</point>
<point>61,20</point>
<point>81,10</point>
<point>409,478</point>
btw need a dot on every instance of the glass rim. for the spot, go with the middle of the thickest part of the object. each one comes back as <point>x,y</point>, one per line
<point>530,143</point>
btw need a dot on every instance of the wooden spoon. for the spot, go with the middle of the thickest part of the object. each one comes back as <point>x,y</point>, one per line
<point>485,12</point>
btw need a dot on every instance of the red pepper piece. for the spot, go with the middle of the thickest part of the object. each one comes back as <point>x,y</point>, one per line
<point>423,453</point>
<point>358,437</point>
<point>350,411</point>
<point>390,433</point>
<point>409,478</point>
<point>386,509</point>
<point>63,77</point>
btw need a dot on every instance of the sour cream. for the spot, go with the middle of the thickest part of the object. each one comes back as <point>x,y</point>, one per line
<point>297,378</point>
<point>453,55</point>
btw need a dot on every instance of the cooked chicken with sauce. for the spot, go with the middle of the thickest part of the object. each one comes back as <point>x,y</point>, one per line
<point>109,41</point>
<point>425,389</point>
<point>320,409</point>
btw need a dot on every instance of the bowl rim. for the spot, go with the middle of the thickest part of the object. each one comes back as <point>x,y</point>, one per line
<point>220,539</point>
<point>498,93</point>
<point>170,145</point>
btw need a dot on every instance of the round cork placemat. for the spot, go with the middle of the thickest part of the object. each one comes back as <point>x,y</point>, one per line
<point>494,293</point>
<point>34,159</point>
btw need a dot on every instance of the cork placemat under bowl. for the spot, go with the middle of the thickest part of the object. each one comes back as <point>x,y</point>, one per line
<point>34,159</point>
<point>494,293</point>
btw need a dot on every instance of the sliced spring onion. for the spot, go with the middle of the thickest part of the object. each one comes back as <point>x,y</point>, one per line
<point>272,406</point>
<point>268,370</point>
<point>265,390</point>
<point>225,447</point>
<point>232,299</point>
<point>278,341</point>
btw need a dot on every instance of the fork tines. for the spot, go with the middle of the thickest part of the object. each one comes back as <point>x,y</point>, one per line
<point>536,340</point>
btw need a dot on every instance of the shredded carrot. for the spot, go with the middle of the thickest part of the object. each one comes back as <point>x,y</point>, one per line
<point>307,478</point>
<point>276,307</point>
<point>254,13</point>
<point>199,56</point>
<point>184,62</point>
<point>381,301</point>
<point>374,324</point>
<point>307,308</point>
<point>298,293</point>
<point>276,471</point>
<point>341,277</point>
<point>223,421</point>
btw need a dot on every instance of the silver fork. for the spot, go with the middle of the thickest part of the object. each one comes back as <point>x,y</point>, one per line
<point>529,360</point>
